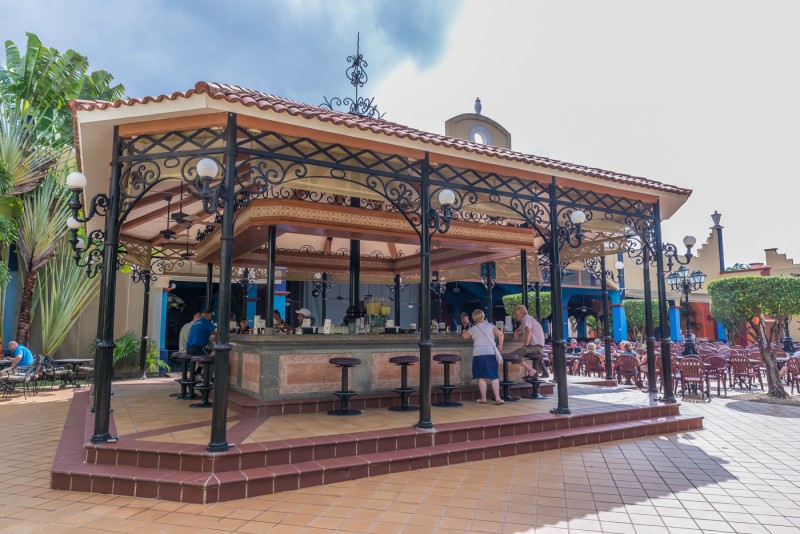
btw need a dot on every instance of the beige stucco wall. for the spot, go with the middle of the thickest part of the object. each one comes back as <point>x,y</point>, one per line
<point>127,316</point>
<point>461,127</point>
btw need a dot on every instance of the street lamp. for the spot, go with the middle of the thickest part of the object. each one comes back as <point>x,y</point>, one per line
<point>686,283</point>
<point>605,274</point>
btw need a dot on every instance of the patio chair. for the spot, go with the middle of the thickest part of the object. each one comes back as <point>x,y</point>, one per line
<point>22,380</point>
<point>593,364</point>
<point>85,373</point>
<point>693,378</point>
<point>743,372</point>
<point>717,369</point>
<point>793,373</point>
<point>52,371</point>
<point>627,367</point>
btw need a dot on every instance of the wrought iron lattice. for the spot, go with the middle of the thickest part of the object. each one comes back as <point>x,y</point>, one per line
<point>608,205</point>
<point>592,266</point>
<point>357,74</point>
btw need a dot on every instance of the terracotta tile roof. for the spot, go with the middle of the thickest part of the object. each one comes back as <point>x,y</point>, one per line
<point>264,101</point>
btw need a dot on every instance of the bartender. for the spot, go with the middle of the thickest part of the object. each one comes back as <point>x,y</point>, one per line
<point>302,315</point>
<point>465,322</point>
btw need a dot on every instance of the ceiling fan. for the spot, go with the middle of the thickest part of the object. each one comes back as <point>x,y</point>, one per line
<point>187,254</point>
<point>167,233</point>
<point>186,220</point>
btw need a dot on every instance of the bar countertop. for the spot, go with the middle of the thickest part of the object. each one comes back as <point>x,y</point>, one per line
<point>294,340</point>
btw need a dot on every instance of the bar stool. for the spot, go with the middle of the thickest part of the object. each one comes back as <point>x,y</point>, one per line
<point>404,391</point>
<point>507,383</point>
<point>186,382</point>
<point>447,388</point>
<point>206,386</point>
<point>535,382</point>
<point>344,394</point>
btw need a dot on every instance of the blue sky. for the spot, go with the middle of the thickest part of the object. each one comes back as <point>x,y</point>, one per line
<point>702,95</point>
<point>290,48</point>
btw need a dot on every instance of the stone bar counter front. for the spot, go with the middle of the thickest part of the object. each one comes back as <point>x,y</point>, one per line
<point>277,367</point>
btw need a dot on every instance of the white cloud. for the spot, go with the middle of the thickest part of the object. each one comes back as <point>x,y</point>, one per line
<point>701,95</point>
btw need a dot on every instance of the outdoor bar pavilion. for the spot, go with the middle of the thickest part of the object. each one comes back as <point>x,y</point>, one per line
<point>254,176</point>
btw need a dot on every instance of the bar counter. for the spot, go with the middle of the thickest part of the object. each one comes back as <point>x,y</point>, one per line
<point>281,366</point>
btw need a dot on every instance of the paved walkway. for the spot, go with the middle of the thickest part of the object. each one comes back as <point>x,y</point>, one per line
<point>737,475</point>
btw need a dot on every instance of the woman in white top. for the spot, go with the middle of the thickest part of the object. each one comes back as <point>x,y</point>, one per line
<point>484,362</point>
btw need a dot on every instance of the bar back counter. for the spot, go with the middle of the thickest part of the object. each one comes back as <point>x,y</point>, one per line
<point>280,366</point>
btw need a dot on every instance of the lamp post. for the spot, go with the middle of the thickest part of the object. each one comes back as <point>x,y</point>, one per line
<point>323,282</point>
<point>570,234</point>
<point>489,279</point>
<point>686,283</point>
<point>788,344</point>
<point>605,274</point>
<point>439,288</point>
<point>433,221</point>
<point>145,276</point>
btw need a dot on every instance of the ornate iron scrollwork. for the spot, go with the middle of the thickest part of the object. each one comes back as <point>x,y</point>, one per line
<point>357,74</point>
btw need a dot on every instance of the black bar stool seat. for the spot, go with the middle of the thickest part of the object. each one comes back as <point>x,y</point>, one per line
<point>404,391</point>
<point>186,381</point>
<point>345,393</point>
<point>447,388</point>
<point>507,383</point>
<point>205,387</point>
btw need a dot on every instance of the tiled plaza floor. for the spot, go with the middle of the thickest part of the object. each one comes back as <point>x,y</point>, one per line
<point>737,475</point>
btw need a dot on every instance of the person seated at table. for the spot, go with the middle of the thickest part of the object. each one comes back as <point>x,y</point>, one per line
<point>278,324</point>
<point>465,323</point>
<point>183,337</point>
<point>244,328</point>
<point>573,351</point>
<point>201,334</point>
<point>601,349</point>
<point>532,343</point>
<point>591,348</point>
<point>21,357</point>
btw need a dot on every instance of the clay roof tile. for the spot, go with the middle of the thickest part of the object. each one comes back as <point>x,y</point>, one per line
<point>265,101</point>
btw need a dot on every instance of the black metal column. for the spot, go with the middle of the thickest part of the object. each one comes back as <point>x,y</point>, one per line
<point>523,276</point>
<point>397,290</point>
<point>144,341</point>
<point>324,292</point>
<point>272,233</point>
<point>222,348</point>
<point>666,344</point>
<point>606,325</point>
<point>559,343</point>
<point>648,322</point>
<point>108,288</point>
<point>425,344</point>
<point>209,285</point>
<point>354,310</point>
<point>537,288</point>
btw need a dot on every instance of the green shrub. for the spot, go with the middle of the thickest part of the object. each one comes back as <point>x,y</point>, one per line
<point>512,301</point>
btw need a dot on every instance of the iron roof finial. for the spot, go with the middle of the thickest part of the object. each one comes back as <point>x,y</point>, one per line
<point>478,106</point>
<point>357,74</point>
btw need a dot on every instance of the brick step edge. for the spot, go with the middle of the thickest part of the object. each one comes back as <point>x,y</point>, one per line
<point>194,458</point>
<point>194,487</point>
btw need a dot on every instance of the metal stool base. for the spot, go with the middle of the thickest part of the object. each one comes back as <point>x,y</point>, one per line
<point>535,395</point>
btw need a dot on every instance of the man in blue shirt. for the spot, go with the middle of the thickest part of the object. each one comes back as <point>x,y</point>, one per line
<point>21,356</point>
<point>200,334</point>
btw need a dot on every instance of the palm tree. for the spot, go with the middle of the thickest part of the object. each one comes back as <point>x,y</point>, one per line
<point>41,229</point>
<point>63,294</point>
<point>35,143</point>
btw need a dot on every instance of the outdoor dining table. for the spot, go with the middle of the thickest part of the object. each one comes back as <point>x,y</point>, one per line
<point>75,363</point>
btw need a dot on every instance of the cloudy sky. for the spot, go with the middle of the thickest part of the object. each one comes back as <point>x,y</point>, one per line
<point>700,94</point>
